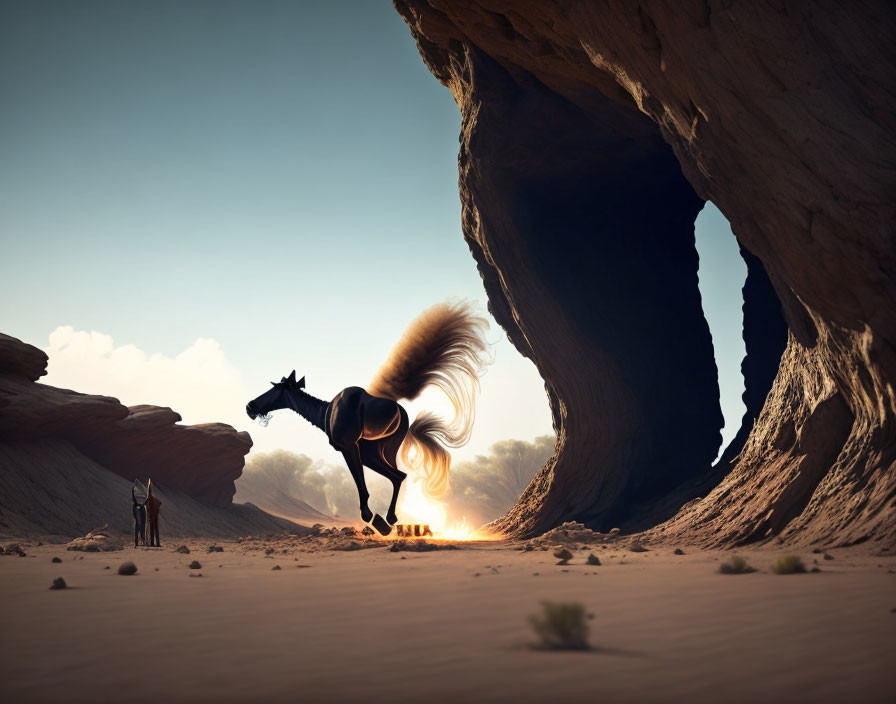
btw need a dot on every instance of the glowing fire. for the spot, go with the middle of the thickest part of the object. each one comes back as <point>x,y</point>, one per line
<point>415,506</point>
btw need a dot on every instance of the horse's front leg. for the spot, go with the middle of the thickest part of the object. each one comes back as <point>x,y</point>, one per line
<point>353,460</point>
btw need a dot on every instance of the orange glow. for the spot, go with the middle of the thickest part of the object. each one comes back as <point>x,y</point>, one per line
<point>415,506</point>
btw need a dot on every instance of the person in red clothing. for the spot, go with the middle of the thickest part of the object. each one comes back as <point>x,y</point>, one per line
<point>152,513</point>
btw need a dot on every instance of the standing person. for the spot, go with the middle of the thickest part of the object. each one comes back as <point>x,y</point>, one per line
<point>139,516</point>
<point>152,507</point>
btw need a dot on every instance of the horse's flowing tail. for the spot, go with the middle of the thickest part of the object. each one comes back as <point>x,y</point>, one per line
<point>444,347</point>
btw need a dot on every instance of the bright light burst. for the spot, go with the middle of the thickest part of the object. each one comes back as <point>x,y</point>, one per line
<point>415,506</point>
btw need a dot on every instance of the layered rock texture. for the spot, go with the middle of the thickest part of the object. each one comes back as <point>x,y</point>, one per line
<point>55,442</point>
<point>592,132</point>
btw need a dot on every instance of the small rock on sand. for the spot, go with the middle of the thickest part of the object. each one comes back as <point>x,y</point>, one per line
<point>56,559</point>
<point>127,568</point>
<point>593,560</point>
<point>678,551</point>
<point>194,565</point>
<point>58,583</point>
<point>275,567</point>
<point>215,548</point>
<point>828,557</point>
<point>269,551</point>
<point>637,547</point>
<point>562,553</point>
<point>107,567</point>
<point>183,550</point>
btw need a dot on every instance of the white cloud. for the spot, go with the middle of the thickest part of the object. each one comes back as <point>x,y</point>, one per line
<point>199,383</point>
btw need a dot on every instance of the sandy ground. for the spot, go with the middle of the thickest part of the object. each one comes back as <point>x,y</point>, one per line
<point>447,626</point>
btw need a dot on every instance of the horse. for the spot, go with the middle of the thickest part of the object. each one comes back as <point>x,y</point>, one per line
<point>444,346</point>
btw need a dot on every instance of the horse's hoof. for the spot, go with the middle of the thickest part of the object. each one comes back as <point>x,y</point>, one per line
<point>366,516</point>
<point>391,519</point>
<point>380,524</point>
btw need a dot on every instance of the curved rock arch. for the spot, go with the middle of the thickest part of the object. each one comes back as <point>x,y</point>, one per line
<point>590,136</point>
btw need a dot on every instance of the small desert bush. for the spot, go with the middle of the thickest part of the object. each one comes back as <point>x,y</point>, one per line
<point>788,564</point>
<point>737,565</point>
<point>561,626</point>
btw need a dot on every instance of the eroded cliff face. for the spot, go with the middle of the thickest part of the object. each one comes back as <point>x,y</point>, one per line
<point>591,134</point>
<point>201,461</point>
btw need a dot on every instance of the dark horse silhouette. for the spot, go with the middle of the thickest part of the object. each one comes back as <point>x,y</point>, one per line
<point>444,347</point>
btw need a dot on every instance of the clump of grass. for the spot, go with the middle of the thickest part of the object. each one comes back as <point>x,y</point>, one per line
<point>737,565</point>
<point>561,626</point>
<point>788,564</point>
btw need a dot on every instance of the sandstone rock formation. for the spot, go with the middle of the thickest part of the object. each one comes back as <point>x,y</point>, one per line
<point>45,430</point>
<point>20,359</point>
<point>591,134</point>
<point>203,461</point>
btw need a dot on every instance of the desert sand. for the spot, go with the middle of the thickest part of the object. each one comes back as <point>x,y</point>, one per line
<point>372,625</point>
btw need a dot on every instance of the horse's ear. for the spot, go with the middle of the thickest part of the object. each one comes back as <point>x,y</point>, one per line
<point>292,377</point>
<point>302,383</point>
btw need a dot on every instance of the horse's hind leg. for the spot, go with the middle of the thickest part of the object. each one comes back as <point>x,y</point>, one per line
<point>396,476</point>
<point>371,455</point>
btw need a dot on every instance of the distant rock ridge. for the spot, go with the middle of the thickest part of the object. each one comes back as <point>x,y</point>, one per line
<point>202,461</point>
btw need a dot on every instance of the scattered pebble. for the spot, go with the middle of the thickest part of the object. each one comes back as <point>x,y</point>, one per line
<point>275,567</point>
<point>593,560</point>
<point>183,550</point>
<point>269,551</point>
<point>678,551</point>
<point>58,583</point>
<point>194,565</point>
<point>56,560</point>
<point>535,574</point>
<point>215,548</point>
<point>637,547</point>
<point>196,575</point>
<point>107,567</point>
<point>828,557</point>
<point>562,554</point>
<point>127,568</point>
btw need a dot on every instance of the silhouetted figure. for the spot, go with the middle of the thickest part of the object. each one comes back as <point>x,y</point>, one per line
<point>139,516</point>
<point>152,509</point>
<point>445,347</point>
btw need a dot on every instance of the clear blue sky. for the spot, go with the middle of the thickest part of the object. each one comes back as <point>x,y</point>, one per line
<point>280,177</point>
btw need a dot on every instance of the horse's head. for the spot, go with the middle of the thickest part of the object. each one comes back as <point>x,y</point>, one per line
<point>275,398</point>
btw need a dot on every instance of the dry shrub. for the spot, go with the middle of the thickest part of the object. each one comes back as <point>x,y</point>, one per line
<point>737,565</point>
<point>788,564</point>
<point>561,626</point>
